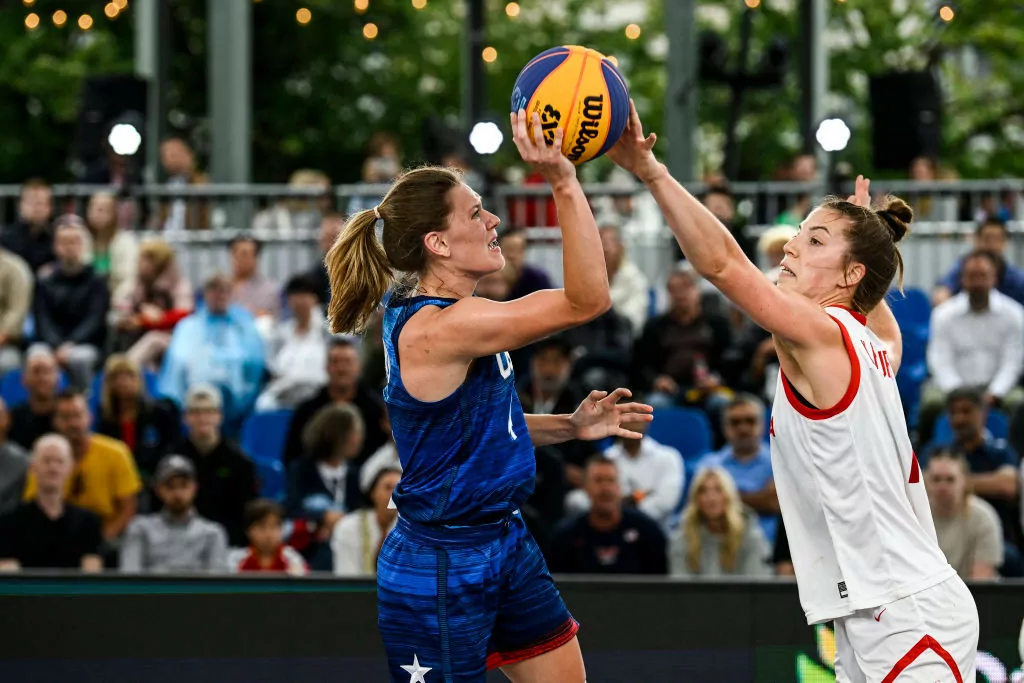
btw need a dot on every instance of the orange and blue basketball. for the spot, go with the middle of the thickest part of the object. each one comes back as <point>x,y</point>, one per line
<point>579,90</point>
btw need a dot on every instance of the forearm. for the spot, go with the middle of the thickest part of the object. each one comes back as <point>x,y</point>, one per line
<point>763,501</point>
<point>883,323</point>
<point>546,430</point>
<point>706,243</point>
<point>999,484</point>
<point>584,274</point>
<point>125,511</point>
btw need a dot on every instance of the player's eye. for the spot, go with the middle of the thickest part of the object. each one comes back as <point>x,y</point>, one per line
<point>814,240</point>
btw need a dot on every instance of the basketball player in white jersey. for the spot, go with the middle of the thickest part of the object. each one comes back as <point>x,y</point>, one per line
<point>850,489</point>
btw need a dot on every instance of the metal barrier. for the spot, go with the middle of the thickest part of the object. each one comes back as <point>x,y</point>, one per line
<point>200,219</point>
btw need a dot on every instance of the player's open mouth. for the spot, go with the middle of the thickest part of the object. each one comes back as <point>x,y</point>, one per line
<point>784,270</point>
<point>493,245</point>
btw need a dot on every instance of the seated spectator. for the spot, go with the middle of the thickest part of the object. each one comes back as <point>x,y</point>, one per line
<point>105,480</point>
<point>748,460</point>
<point>385,457</point>
<point>651,477</point>
<point>357,538</point>
<point>30,237</point>
<point>226,476</point>
<point>993,463</point>
<point>217,345</point>
<point>991,236</point>
<point>344,387</point>
<point>13,465</point>
<point>522,278</point>
<point>264,526</point>
<point>296,351</point>
<point>977,339</point>
<point>717,537</point>
<point>114,253</point>
<point>16,282</point>
<point>610,538</point>
<point>46,531</point>
<point>677,358</point>
<point>331,225</point>
<point>630,290</point>
<point>148,427</point>
<point>150,304</point>
<point>967,527</point>
<point>71,305</point>
<point>176,539</point>
<point>323,485</point>
<point>603,348</point>
<point>297,212</point>
<point>250,289</point>
<point>180,213</point>
<point>33,418</point>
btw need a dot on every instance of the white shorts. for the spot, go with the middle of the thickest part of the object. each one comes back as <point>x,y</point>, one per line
<point>927,637</point>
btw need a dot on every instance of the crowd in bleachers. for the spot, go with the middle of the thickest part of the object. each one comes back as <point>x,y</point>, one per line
<point>150,423</point>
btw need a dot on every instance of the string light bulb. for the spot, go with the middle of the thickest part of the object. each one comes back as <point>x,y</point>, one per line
<point>370,31</point>
<point>946,13</point>
<point>110,9</point>
<point>512,9</point>
<point>28,3</point>
<point>85,22</point>
<point>120,4</point>
<point>419,4</point>
<point>362,5</point>
<point>303,16</point>
<point>613,59</point>
<point>32,21</point>
<point>60,17</point>
<point>490,55</point>
<point>633,31</point>
<point>752,4</point>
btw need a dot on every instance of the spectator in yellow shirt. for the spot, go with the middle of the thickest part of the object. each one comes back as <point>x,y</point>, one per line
<point>105,480</point>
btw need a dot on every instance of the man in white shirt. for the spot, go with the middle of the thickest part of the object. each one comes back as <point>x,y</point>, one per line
<point>977,339</point>
<point>651,476</point>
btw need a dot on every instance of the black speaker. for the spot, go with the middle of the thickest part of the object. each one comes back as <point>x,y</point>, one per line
<point>104,100</point>
<point>906,112</point>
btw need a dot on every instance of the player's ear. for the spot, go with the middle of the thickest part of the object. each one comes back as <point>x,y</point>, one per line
<point>853,274</point>
<point>436,244</point>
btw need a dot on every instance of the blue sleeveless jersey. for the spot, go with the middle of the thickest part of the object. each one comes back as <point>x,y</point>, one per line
<point>466,459</point>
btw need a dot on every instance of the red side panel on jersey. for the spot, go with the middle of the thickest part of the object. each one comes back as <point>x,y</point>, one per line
<point>915,470</point>
<point>845,401</point>
<point>926,643</point>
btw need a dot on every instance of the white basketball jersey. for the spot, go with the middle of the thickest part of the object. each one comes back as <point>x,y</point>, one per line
<point>852,497</point>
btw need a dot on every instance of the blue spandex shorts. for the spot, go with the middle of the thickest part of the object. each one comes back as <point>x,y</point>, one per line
<point>454,602</point>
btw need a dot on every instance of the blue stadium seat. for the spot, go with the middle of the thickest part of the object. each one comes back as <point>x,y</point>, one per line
<point>264,434</point>
<point>913,307</point>
<point>12,391</point>
<point>685,429</point>
<point>998,426</point>
<point>271,478</point>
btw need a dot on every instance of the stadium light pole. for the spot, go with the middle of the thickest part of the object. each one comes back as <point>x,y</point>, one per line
<point>681,95</point>
<point>473,94</point>
<point>152,64</point>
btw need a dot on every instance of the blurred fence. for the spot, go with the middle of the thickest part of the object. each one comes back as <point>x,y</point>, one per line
<point>201,219</point>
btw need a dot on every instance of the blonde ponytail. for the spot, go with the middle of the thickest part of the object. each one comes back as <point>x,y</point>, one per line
<point>359,273</point>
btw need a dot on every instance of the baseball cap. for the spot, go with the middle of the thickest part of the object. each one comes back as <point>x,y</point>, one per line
<point>174,466</point>
<point>202,396</point>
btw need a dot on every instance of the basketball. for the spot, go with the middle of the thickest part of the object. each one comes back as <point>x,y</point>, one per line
<point>579,90</point>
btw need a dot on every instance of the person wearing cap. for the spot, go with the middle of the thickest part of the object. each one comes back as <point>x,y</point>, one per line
<point>357,538</point>
<point>226,476</point>
<point>218,344</point>
<point>176,539</point>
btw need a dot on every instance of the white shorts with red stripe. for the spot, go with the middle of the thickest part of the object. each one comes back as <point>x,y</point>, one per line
<point>927,637</point>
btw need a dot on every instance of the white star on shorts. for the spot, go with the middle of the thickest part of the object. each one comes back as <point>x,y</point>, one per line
<point>415,671</point>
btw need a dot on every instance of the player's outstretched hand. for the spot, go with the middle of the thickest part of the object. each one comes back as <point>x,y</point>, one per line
<point>861,193</point>
<point>546,159</point>
<point>633,151</point>
<point>601,415</point>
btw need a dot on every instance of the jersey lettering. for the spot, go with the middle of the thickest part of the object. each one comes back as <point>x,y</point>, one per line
<point>504,364</point>
<point>771,426</point>
<point>880,359</point>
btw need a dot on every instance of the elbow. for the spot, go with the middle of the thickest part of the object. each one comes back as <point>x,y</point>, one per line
<point>593,307</point>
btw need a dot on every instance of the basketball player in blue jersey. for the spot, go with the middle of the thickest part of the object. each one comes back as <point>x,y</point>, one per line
<point>462,587</point>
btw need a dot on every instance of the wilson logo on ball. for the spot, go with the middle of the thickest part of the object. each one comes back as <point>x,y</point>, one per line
<point>590,126</point>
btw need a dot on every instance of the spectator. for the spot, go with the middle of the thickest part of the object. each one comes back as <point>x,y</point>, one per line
<point>71,305</point>
<point>297,213</point>
<point>105,480</point>
<point>250,289</point>
<point>977,339</point>
<point>181,213</point>
<point>324,484</point>
<point>30,236</point>
<point>382,165</point>
<point>609,539</point>
<point>968,529</point>
<point>385,457</point>
<point>114,253</point>
<point>46,531</point>
<point>218,345</point>
<point>147,307</point>
<point>748,460</point>
<point>16,283</point>
<point>331,225</point>
<point>993,463</point>
<point>176,539</point>
<point>651,477</point>
<point>264,525</point>
<point>677,358</point>
<point>991,236</point>
<point>148,427</point>
<point>226,476</point>
<point>603,348</point>
<point>344,387</point>
<point>358,537</point>
<point>771,246</point>
<point>493,286</point>
<point>718,537</point>
<point>33,418</point>
<point>802,169</point>
<point>630,291</point>
<point>297,350</point>
<point>522,278</point>
<point>13,465</point>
